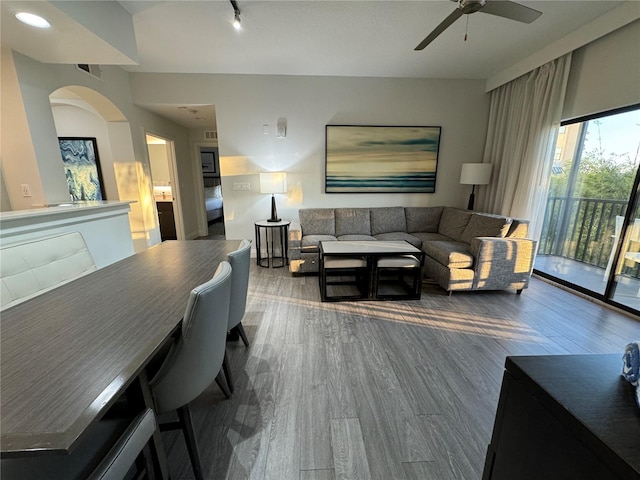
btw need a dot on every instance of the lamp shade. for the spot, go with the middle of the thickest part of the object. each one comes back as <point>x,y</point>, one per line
<point>475,173</point>
<point>273,182</point>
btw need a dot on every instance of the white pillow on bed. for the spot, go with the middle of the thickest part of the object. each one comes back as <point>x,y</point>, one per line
<point>213,192</point>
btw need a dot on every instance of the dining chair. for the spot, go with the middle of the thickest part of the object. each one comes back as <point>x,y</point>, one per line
<point>195,359</point>
<point>240,260</point>
<point>108,452</point>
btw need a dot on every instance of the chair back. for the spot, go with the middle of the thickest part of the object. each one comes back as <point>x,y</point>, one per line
<point>240,262</point>
<point>113,444</point>
<point>195,359</point>
<point>123,454</point>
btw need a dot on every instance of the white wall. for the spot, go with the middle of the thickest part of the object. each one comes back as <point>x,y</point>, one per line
<point>605,74</point>
<point>32,156</point>
<point>159,162</point>
<point>244,103</point>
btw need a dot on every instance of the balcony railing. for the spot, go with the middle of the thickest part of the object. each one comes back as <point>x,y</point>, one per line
<point>583,229</point>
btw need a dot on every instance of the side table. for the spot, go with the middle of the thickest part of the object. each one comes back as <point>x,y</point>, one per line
<point>271,230</point>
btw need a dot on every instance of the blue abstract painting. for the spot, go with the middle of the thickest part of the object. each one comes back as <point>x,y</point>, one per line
<point>372,159</point>
<point>82,168</point>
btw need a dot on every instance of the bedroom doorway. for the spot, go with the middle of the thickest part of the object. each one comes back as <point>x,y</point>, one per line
<point>213,202</point>
<point>165,194</point>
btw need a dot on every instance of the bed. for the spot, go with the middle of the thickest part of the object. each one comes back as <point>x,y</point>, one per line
<point>213,199</point>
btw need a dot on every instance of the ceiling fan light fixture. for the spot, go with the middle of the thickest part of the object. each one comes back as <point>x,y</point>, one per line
<point>501,8</point>
<point>471,6</point>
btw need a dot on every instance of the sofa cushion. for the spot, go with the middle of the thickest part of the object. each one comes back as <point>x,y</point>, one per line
<point>346,238</point>
<point>519,228</point>
<point>449,253</point>
<point>422,219</point>
<point>317,221</point>
<point>387,219</point>
<point>453,222</point>
<point>352,221</point>
<point>415,241</point>
<point>485,225</point>
<point>314,240</point>
<point>430,237</point>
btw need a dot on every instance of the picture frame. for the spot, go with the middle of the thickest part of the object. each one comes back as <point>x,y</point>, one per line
<point>82,168</point>
<point>208,159</point>
<point>381,159</point>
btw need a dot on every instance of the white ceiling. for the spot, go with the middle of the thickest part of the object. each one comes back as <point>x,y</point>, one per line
<point>374,38</point>
<point>343,38</point>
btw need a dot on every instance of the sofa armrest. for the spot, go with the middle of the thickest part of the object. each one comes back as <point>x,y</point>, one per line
<point>502,262</point>
<point>295,240</point>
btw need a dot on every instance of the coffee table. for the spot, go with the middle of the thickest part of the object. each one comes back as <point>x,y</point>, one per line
<point>364,256</point>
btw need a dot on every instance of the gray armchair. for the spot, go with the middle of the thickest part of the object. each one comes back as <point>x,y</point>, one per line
<point>194,361</point>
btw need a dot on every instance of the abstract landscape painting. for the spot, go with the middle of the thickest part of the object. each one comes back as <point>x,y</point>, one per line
<point>371,159</point>
<point>82,168</point>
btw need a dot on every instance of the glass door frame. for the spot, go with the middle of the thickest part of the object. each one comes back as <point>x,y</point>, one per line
<point>633,205</point>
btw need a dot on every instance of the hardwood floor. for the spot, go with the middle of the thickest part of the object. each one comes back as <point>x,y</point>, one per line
<point>378,390</point>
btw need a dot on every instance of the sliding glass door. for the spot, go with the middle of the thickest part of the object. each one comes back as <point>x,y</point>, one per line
<point>625,288</point>
<point>590,239</point>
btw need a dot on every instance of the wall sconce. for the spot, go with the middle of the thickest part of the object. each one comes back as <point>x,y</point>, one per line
<point>475,174</point>
<point>273,182</point>
<point>281,128</point>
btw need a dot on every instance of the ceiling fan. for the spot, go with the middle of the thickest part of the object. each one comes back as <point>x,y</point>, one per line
<point>501,8</point>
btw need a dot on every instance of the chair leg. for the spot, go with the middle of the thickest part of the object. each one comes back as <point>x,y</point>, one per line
<point>223,386</point>
<point>242,333</point>
<point>184,413</point>
<point>227,371</point>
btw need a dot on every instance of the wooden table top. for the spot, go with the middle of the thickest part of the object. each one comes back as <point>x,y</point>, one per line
<point>589,396</point>
<point>68,354</point>
<point>367,247</point>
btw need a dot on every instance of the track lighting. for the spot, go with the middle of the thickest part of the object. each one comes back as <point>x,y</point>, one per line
<point>236,15</point>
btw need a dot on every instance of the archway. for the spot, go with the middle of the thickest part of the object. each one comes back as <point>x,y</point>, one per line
<point>82,112</point>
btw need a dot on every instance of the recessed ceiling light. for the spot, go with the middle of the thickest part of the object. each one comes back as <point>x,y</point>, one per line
<point>32,20</point>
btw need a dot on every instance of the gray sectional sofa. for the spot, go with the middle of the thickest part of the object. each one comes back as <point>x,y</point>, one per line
<point>464,250</point>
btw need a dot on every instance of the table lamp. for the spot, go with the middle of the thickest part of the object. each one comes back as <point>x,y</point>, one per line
<point>475,174</point>
<point>273,182</point>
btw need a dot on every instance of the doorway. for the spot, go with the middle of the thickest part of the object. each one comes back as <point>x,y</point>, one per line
<point>165,191</point>
<point>591,233</point>
<point>212,188</point>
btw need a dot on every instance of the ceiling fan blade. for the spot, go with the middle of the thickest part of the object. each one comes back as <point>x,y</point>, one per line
<point>511,10</point>
<point>453,16</point>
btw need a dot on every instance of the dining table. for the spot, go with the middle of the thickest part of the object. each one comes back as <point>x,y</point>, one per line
<point>68,355</point>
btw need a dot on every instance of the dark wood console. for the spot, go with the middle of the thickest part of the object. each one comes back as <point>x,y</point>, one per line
<point>565,417</point>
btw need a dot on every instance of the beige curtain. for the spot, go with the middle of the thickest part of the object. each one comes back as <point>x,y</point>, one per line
<point>523,123</point>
